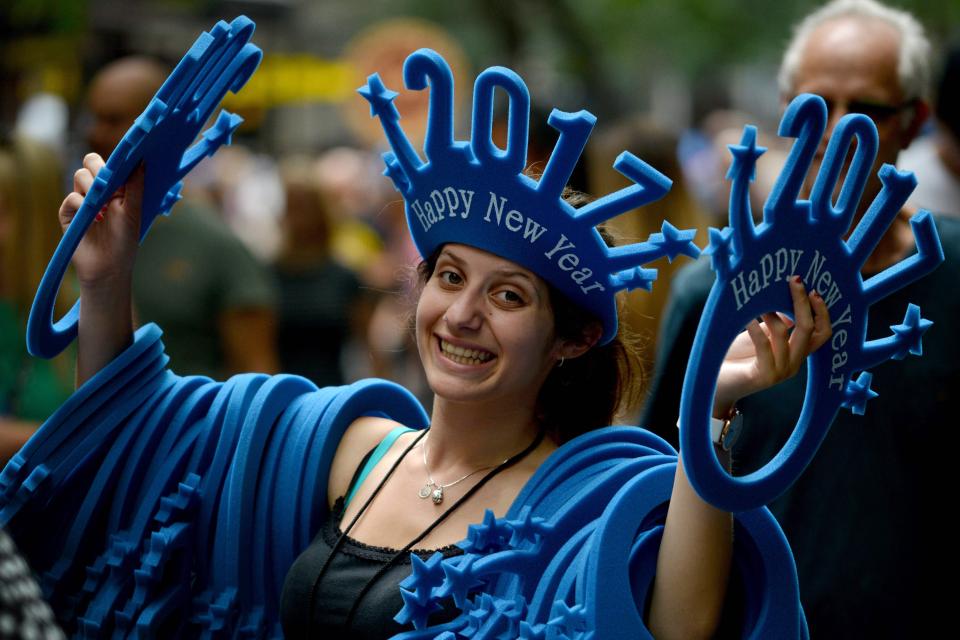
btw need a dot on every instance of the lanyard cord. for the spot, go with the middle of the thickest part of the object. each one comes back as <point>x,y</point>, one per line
<point>343,534</point>
<point>406,549</point>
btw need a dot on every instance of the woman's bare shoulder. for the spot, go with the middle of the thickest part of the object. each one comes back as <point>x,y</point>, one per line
<point>361,436</point>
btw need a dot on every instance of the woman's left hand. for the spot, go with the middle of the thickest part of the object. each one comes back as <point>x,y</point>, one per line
<point>768,352</point>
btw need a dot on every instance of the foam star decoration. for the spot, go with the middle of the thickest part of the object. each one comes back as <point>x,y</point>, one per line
<point>858,392</point>
<point>459,580</point>
<point>486,537</point>
<point>414,610</point>
<point>532,631</point>
<point>674,242</point>
<point>569,619</point>
<point>477,610</point>
<point>910,332</point>
<point>221,132</point>
<point>636,278</point>
<point>424,576</point>
<point>719,250</point>
<point>395,172</point>
<point>505,617</point>
<point>527,528</point>
<point>380,98</point>
<point>745,154</point>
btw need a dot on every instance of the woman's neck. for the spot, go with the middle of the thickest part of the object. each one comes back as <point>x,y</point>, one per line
<point>464,437</point>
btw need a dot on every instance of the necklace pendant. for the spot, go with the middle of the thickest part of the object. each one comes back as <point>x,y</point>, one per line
<point>437,495</point>
<point>425,490</point>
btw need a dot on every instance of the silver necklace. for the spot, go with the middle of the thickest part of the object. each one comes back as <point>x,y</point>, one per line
<point>433,489</point>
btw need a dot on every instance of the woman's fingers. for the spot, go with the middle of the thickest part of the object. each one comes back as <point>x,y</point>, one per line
<point>822,330</point>
<point>132,192</point>
<point>761,345</point>
<point>82,180</point>
<point>92,162</point>
<point>803,324</point>
<point>779,333</point>
<point>71,204</point>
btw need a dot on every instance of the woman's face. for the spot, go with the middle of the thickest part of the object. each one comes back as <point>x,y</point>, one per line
<point>485,328</point>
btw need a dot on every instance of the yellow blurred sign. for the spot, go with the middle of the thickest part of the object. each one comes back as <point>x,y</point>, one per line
<point>284,79</point>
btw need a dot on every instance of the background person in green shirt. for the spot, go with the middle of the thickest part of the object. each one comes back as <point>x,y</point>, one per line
<point>30,388</point>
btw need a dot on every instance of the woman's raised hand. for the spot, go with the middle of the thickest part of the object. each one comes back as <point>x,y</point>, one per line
<point>107,252</point>
<point>768,352</point>
<point>104,263</point>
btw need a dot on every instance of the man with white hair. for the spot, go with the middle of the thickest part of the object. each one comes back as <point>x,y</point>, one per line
<point>864,520</point>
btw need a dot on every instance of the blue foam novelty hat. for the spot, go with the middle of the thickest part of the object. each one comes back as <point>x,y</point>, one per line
<point>806,238</point>
<point>475,193</point>
<point>163,138</point>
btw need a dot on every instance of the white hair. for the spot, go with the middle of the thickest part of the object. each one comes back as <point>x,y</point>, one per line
<point>913,65</point>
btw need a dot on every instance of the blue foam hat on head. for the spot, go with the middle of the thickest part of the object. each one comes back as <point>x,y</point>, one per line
<point>475,193</point>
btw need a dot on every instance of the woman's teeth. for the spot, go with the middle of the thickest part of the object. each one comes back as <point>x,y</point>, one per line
<point>464,356</point>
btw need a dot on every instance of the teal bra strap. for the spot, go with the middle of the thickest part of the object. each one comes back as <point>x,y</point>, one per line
<point>374,458</point>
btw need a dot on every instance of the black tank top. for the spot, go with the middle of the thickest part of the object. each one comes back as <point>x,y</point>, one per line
<point>354,565</point>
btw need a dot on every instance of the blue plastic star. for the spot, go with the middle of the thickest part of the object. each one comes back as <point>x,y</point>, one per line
<point>745,154</point>
<point>719,250</point>
<point>380,98</point>
<point>858,392</point>
<point>674,242</point>
<point>459,581</point>
<point>910,333</point>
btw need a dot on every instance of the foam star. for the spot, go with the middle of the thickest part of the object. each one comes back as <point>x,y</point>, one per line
<point>570,619</point>
<point>636,278</point>
<point>910,332</point>
<point>414,610</point>
<point>424,576</point>
<point>745,154</point>
<point>380,98</point>
<point>477,610</point>
<point>504,617</point>
<point>395,172</point>
<point>459,580</point>
<point>485,537</point>
<point>526,527</point>
<point>674,242</point>
<point>719,250</point>
<point>858,392</point>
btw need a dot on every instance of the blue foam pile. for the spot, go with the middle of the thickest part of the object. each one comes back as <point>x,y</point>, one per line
<point>139,501</point>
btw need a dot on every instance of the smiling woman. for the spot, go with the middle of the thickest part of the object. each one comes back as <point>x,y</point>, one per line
<point>518,336</point>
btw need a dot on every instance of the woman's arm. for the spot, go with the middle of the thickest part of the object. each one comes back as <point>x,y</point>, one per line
<point>104,264</point>
<point>693,565</point>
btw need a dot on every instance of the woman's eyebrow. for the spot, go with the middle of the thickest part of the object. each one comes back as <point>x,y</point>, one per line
<point>451,256</point>
<point>512,273</point>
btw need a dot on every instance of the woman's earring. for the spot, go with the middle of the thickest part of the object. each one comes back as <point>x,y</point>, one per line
<point>561,362</point>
